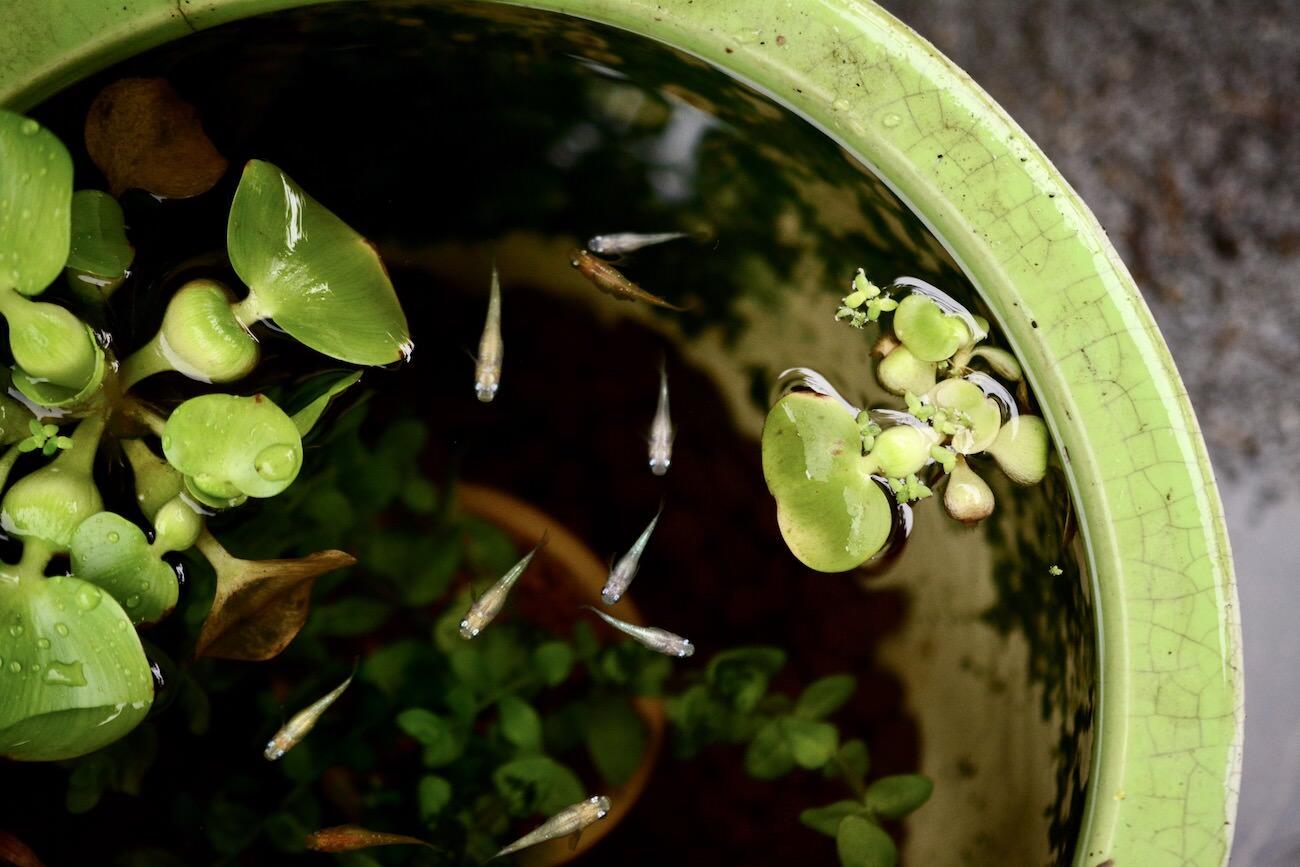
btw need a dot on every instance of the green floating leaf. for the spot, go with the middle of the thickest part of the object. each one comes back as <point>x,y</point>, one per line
<point>863,844</point>
<point>230,447</point>
<point>305,268</point>
<point>616,738</point>
<point>826,820</point>
<point>537,784</point>
<point>983,416</point>
<point>825,696</point>
<point>894,797</point>
<point>1021,449</point>
<point>434,794</point>
<point>832,514</point>
<point>100,254</point>
<point>109,551</point>
<point>770,754</point>
<point>927,331</point>
<point>520,724</point>
<point>306,418</point>
<point>968,498</point>
<point>812,743</point>
<point>900,372</point>
<point>35,204</point>
<point>74,673</point>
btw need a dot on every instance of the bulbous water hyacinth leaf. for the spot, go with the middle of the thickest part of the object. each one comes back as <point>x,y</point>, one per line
<point>142,135</point>
<point>156,481</point>
<point>901,450</point>
<point>349,838</point>
<point>832,514</point>
<point>827,819</point>
<point>99,244</point>
<point>229,446</point>
<point>900,372</point>
<point>967,498</point>
<point>35,204</point>
<point>51,503</point>
<point>894,797</point>
<point>259,605</point>
<point>44,392</point>
<point>112,553</point>
<point>200,336</point>
<point>861,843</point>
<point>1021,449</point>
<point>74,676</point>
<point>48,342</point>
<point>309,271</point>
<point>982,412</point>
<point>924,328</point>
<point>14,420</point>
<point>1000,361</point>
<point>307,417</point>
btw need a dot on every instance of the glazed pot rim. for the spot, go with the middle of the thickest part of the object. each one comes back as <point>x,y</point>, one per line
<point>1169,711</point>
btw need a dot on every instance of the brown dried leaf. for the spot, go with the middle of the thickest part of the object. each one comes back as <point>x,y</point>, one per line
<point>346,838</point>
<point>16,852</point>
<point>260,605</point>
<point>142,135</point>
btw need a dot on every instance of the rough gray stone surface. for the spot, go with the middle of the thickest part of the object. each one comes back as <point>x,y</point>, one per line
<point>1179,123</point>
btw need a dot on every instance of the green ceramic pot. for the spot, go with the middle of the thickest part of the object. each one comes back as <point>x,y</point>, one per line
<point>1165,742</point>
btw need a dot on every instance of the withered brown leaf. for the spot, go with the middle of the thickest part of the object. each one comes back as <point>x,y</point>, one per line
<point>143,135</point>
<point>16,852</point>
<point>260,605</point>
<point>346,838</point>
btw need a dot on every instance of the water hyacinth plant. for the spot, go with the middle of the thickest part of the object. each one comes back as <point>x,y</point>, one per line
<point>74,676</point>
<point>839,474</point>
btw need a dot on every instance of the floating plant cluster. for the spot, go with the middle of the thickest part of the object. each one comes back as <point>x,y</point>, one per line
<point>74,675</point>
<point>841,475</point>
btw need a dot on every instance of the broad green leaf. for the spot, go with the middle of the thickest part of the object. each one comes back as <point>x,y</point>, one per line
<point>520,723</point>
<point>924,328</point>
<point>863,844</point>
<point>305,419</point>
<point>740,676</point>
<point>895,797</point>
<point>812,744</point>
<point>111,552</point>
<point>832,514</point>
<point>553,661</point>
<point>826,820</point>
<point>99,244</point>
<point>769,755</point>
<point>851,759</point>
<point>76,677</point>
<point>229,446</point>
<point>616,738</point>
<point>443,743</point>
<point>434,794</point>
<point>305,268</point>
<point>386,667</point>
<point>50,503</point>
<point>825,696</point>
<point>537,784</point>
<point>35,204</point>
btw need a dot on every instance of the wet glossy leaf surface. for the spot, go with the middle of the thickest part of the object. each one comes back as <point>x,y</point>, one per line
<point>230,446</point>
<point>35,204</point>
<point>99,243</point>
<point>113,553</point>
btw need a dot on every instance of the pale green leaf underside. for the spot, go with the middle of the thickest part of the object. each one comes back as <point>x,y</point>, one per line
<point>35,204</point>
<point>230,446</point>
<point>309,271</point>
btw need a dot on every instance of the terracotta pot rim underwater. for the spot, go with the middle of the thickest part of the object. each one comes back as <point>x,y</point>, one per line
<point>1149,511</point>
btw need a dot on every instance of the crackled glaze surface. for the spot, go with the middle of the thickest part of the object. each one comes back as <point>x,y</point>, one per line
<point>1163,786</point>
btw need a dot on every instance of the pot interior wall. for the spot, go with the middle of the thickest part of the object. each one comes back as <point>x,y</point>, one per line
<point>449,133</point>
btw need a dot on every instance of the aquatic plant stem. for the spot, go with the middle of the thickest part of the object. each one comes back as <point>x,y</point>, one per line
<point>249,310</point>
<point>144,363</point>
<point>7,463</point>
<point>80,457</point>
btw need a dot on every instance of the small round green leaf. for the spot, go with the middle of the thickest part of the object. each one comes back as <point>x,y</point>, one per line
<point>924,328</point>
<point>769,754</point>
<point>554,661</point>
<point>1021,449</point>
<point>900,372</point>
<point>812,743</point>
<point>982,413</point>
<point>35,204</point>
<point>537,784</point>
<point>902,450</point>
<point>306,269</point>
<point>616,738</point>
<point>229,446</point>
<point>825,696</point>
<point>827,819</point>
<point>861,843</point>
<point>112,553</point>
<point>832,514</point>
<point>520,724</point>
<point>895,797</point>
<point>434,794</point>
<point>74,675</point>
<point>99,244</point>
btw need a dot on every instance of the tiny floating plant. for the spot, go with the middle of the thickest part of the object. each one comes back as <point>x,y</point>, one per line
<point>838,474</point>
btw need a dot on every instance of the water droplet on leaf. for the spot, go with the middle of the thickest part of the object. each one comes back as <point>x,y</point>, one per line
<point>65,674</point>
<point>276,462</point>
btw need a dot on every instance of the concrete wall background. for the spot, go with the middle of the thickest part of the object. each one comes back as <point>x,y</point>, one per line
<point>1178,121</point>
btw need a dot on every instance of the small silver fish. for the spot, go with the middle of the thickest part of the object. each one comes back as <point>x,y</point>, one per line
<point>661,429</point>
<point>620,577</point>
<point>571,820</point>
<point>491,350</point>
<point>658,640</point>
<point>622,243</point>
<point>303,722</point>
<point>488,606</point>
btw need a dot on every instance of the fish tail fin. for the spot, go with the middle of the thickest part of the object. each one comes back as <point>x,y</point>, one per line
<point>573,841</point>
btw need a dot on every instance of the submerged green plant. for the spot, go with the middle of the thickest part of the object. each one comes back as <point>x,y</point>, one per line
<point>823,460</point>
<point>73,673</point>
